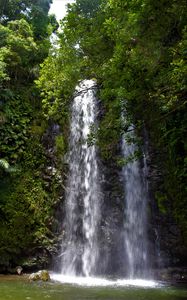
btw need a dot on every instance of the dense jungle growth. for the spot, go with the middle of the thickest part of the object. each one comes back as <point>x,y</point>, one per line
<point>137,52</point>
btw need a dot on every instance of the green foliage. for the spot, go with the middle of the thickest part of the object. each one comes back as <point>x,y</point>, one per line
<point>14,131</point>
<point>60,145</point>
<point>33,208</point>
<point>17,45</point>
<point>131,158</point>
<point>162,202</point>
<point>88,8</point>
<point>4,164</point>
<point>7,168</point>
<point>4,52</point>
<point>58,77</point>
<point>26,200</point>
<point>137,50</point>
<point>34,11</point>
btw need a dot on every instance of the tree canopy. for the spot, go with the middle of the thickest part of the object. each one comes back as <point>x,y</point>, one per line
<point>137,52</point>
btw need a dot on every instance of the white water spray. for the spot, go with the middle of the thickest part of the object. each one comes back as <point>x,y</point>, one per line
<point>80,254</point>
<point>135,219</point>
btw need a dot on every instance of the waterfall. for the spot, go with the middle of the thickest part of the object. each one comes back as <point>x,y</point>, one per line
<point>82,208</point>
<point>135,219</point>
<point>101,235</point>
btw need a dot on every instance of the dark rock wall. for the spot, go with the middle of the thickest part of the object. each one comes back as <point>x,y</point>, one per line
<point>112,219</point>
<point>165,236</point>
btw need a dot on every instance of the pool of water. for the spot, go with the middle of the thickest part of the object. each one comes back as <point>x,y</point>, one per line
<point>19,288</point>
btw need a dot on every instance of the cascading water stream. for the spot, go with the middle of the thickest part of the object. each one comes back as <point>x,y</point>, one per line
<point>135,220</point>
<point>86,248</point>
<point>82,209</point>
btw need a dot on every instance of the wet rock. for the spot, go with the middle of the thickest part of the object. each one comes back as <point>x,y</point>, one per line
<point>34,277</point>
<point>175,275</point>
<point>19,270</point>
<point>41,275</point>
<point>44,275</point>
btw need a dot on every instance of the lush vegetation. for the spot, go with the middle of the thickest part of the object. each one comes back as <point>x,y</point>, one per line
<point>137,51</point>
<point>26,202</point>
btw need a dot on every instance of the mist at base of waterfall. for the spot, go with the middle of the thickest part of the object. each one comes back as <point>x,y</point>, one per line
<point>102,282</point>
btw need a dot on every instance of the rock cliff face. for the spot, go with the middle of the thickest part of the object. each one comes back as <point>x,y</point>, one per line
<point>112,218</point>
<point>165,234</point>
<point>54,178</point>
<point>165,240</point>
<point>166,247</point>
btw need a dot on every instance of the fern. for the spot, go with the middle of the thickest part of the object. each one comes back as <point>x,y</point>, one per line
<point>4,164</point>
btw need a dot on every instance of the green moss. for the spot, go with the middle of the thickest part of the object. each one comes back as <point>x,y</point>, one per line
<point>162,202</point>
<point>60,145</point>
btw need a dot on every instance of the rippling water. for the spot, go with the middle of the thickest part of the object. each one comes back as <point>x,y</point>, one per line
<point>18,288</point>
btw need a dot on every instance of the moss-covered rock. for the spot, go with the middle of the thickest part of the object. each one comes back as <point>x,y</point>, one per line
<point>44,275</point>
<point>41,275</point>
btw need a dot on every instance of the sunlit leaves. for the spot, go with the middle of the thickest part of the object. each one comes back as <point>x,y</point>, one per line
<point>17,45</point>
<point>58,77</point>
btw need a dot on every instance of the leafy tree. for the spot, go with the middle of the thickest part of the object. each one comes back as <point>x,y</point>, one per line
<point>137,52</point>
<point>25,29</point>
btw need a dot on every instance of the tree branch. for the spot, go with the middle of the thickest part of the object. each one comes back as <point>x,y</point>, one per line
<point>84,91</point>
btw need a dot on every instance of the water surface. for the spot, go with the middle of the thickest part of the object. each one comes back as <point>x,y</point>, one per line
<point>19,288</point>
